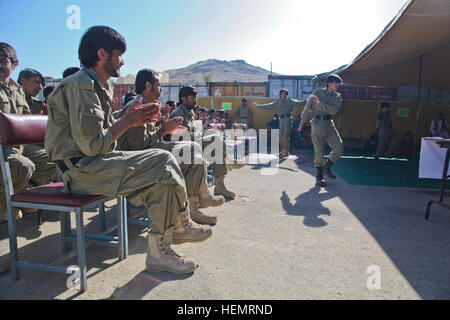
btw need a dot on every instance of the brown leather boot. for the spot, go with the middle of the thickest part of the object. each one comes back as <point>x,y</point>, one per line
<point>187,230</point>
<point>207,199</point>
<point>161,257</point>
<point>197,215</point>
<point>220,188</point>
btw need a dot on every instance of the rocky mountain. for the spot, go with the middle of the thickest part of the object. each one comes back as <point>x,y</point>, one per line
<point>220,71</point>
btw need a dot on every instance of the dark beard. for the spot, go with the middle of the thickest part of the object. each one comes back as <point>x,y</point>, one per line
<point>111,70</point>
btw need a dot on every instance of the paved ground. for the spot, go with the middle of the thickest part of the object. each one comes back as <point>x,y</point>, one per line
<point>280,239</point>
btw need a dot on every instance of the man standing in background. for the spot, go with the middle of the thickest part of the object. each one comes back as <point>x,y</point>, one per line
<point>244,114</point>
<point>283,107</point>
<point>386,136</point>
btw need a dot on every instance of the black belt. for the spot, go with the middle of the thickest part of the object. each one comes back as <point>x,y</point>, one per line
<point>323,117</point>
<point>62,166</point>
<point>285,116</point>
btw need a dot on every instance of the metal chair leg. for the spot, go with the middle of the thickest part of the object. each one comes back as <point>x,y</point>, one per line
<point>101,210</point>
<point>149,220</point>
<point>13,257</point>
<point>81,250</point>
<point>63,224</point>
<point>120,224</point>
<point>125,225</point>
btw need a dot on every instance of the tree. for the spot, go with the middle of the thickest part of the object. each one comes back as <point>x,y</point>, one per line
<point>207,78</point>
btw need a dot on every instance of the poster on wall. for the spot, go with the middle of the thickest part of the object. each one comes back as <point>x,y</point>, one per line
<point>403,112</point>
<point>226,105</point>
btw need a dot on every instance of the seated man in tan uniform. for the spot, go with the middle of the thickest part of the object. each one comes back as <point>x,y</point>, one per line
<point>188,100</point>
<point>30,164</point>
<point>32,83</point>
<point>148,88</point>
<point>81,138</point>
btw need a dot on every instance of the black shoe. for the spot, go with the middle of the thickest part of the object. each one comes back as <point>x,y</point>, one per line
<point>320,182</point>
<point>327,169</point>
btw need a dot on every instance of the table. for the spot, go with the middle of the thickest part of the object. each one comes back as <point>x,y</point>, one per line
<point>442,143</point>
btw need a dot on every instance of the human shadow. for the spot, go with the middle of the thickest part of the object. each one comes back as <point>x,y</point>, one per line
<point>309,205</point>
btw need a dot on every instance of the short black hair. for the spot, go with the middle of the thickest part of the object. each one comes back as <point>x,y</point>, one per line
<point>144,76</point>
<point>334,78</point>
<point>70,71</point>
<point>9,52</point>
<point>47,91</point>
<point>129,96</point>
<point>285,90</point>
<point>385,105</point>
<point>30,73</point>
<point>171,103</point>
<point>187,91</point>
<point>244,99</point>
<point>96,38</point>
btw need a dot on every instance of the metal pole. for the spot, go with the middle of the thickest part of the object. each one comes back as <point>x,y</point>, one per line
<point>419,105</point>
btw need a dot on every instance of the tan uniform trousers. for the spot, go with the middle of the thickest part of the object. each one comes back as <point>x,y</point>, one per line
<point>285,132</point>
<point>324,131</point>
<point>386,142</point>
<point>219,167</point>
<point>150,177</point>
<point>194,169</point>
<point>30,165</point>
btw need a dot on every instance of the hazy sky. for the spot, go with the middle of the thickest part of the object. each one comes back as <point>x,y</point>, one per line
<point>299,37</point>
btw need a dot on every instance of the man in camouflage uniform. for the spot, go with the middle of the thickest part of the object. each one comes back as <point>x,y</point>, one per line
<point>148,88</point>
<point>188,100</point>
<point>283,107</point>
<point>29,165</point>
<point>244,114</point>
<point>81,138</point>
<point>386,136</point>
<point>321,106</point>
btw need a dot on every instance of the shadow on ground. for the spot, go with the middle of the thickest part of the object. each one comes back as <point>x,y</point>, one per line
<point>420,249</point>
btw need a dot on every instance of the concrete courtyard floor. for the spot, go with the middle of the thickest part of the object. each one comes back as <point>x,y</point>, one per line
<point>281,238</point>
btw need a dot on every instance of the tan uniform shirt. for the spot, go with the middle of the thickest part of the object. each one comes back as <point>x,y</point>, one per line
<point>12,98</point>
<point>330,104</point>
<point>81,130</point>
<point>283,107</point>
<point>35,105</point>
<point>138,138</point>
<point>244,112</point>
<point>385,119</point>
<point>188,118</point>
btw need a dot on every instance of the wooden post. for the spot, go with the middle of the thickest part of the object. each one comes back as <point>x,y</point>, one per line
<point>419,105</point>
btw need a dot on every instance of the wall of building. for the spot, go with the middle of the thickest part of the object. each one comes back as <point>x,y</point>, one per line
<point>355,114</point>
